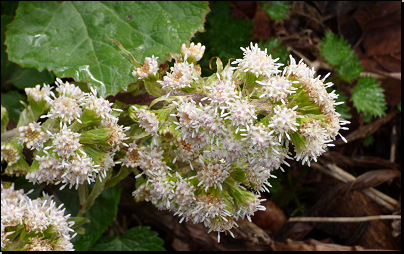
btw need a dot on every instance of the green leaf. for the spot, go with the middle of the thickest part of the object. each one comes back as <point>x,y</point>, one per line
<point>135,239</point>
<point>368,97</point>
<point>350,68</point>
<point>334,49</point>
<point>23,78</point>
<point>399,106</point>
<point>337,52</point>
<point>11,101</point>
<point>69,37</point>
<point>6,66</point>
<point>11,73</point>
<point>276,10</point>
<point>224,35</point>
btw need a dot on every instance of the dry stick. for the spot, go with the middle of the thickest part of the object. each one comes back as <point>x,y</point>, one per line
<point>381,75</point>
<point>344,219</point>
<point>350,177</point>
<point>393,145</point>
<point>338,173</point>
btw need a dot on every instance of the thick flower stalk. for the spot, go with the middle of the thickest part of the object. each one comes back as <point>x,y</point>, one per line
<point>37,225</point>
<point>208,151</point>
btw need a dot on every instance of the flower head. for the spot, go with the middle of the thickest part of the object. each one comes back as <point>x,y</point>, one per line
<point>69,90</point>
<point>101,107</point>
<point>46,169</point>
<point>37,93</point>
<point>66,142</point>
<point>213,173</point>
<point>250,206</point>
<point>283,121</point>
<point>117,135</point>
<point>132,158</point>
<point>194,52</point>
<point>10,153</point>
<point>33,136</point>
<point>35,217</point>
<point>147,120</point>
<point>257,61</point>
<point>149,68</point>
<point>276,88</point>
<point>300,70</point>
<point>79,170</point>
<point>65,108</point>
<point>184,192</point>
<point>222,91</point>
<point>258,136</point>
<point>242,113</point>
<point>181,76</point>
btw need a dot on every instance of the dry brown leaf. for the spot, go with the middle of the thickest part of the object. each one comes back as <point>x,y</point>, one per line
<point>311,245</point>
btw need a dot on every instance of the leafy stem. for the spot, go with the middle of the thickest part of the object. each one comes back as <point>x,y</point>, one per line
<point>95,192</point>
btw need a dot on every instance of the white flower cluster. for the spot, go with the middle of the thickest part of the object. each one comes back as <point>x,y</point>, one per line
<point>194,52</point>
<point>181,76</point>
<point>77,142</point>
<point>149,68</point>
<point>215,153</point>
<point>37,93</point>
<point>10,154</point>
<point>37,225</point>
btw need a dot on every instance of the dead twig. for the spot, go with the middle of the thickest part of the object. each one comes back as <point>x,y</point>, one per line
<point>344,219</point>
<point>381,75</point>
<point>393,144</point>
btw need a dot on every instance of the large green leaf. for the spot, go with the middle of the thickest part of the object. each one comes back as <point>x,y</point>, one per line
<point>11,73</point>
<point>135,239</point>
<point>337,52</point>
<point>350,68</point>
<point>368,97</point>
<point>334,49</point>
<point>69,37</point>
